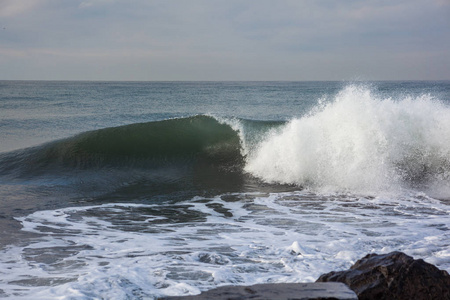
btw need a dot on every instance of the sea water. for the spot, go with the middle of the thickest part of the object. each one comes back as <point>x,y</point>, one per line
<point>136,190</point>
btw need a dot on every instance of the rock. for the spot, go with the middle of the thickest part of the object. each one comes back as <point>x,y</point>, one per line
<point>393,276</point>
<point>278,291</point>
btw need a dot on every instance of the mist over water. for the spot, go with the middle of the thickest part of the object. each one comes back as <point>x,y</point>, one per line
<point>141,190</point>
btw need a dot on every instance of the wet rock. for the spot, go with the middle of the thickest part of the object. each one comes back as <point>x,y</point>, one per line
<point>279,291</point>
<point>393,276</point>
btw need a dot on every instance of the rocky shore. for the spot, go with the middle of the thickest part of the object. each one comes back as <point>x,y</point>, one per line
<point>395,276</point>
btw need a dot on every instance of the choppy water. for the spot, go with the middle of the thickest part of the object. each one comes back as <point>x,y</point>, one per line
<point>139,190</point>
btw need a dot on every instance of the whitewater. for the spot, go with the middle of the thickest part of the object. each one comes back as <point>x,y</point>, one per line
<point>142,190</point>
<point>362,143</point>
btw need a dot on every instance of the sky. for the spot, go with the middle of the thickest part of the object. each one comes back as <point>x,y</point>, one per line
<point>143,40</point>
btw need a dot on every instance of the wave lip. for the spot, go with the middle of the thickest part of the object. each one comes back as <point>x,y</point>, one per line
<point>361,143</point>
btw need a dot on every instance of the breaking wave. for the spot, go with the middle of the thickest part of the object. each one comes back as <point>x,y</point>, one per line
<point>355,141</point>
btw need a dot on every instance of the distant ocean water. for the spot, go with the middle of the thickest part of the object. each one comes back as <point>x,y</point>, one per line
<point>134,190</point>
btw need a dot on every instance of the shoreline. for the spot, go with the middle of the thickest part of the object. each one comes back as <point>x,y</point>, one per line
<point>387,276</point>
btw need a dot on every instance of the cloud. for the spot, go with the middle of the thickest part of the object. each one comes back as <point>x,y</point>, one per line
<point>85,4</point>
<point>203,39</point>
<point>13,8</point>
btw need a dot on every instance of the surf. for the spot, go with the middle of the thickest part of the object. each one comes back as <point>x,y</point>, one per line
<point>359,141</point>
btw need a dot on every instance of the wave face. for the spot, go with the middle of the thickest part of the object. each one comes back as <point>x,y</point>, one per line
<point>138,145</point>
<point>360,142</point>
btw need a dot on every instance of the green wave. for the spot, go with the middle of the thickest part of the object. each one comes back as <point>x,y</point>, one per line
<point>142,145</point>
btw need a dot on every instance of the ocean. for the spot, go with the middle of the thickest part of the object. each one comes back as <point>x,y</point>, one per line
<point>137,190</point>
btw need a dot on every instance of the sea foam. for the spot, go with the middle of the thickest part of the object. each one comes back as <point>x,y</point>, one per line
<point>361,142</point>
<point>136,251</point>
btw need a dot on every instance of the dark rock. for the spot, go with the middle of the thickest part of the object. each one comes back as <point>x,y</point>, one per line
<point>277,291</point>
<point>394,276</point>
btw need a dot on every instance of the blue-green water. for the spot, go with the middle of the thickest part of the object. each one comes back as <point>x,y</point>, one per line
<point>143,189</point>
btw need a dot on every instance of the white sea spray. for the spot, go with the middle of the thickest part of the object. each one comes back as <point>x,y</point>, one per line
<point>361,142</point>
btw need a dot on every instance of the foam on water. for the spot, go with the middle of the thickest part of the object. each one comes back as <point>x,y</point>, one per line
<point>121,251</point>
<point>361,142</point>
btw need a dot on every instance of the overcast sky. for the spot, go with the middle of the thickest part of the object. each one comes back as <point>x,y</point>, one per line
<point>224,39</point>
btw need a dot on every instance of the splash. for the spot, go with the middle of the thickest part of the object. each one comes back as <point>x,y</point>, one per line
<point>361,142</point>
